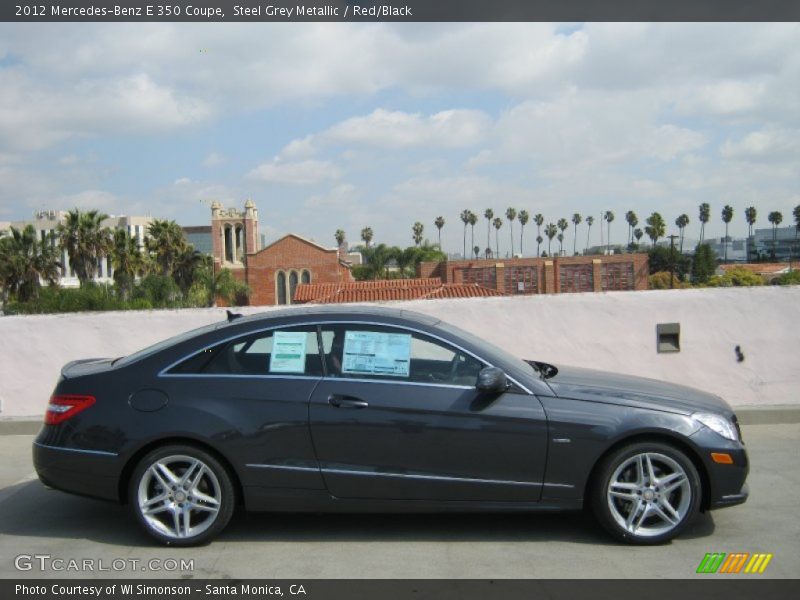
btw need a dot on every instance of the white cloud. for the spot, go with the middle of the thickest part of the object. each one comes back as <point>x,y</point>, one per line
<point>182,181</point>
<point>304,172</point>
<point>213,160</point>
<point>771,145</point>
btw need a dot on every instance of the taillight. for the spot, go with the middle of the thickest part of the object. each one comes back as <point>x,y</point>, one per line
<point>62,408</point>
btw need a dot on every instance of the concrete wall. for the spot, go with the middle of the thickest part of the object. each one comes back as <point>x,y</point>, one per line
<point>615,331</point>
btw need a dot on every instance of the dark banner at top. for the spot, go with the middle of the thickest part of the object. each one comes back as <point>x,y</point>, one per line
<point>399,11</point>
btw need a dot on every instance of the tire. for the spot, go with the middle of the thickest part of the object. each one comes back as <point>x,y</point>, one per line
<point>181,495</point>
<point>636,507</point>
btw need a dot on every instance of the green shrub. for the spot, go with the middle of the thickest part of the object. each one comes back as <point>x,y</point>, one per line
<point>791,278</point>
<point>660,281</point>
<point>736,277</point>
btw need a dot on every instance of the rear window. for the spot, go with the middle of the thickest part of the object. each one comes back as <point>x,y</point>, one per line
<point>164,344</point>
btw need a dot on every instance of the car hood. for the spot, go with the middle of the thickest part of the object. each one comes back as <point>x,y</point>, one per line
<point>612,388</point>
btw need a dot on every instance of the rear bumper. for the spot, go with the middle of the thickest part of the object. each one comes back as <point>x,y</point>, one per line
<point>85,472</point>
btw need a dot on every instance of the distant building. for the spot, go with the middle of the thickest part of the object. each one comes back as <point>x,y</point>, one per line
<point>782,248</point>
<point>736,247</point>
<point>524,276</point>
<point>273,272</point>
<point>199,236</point>
<point>46,223</point>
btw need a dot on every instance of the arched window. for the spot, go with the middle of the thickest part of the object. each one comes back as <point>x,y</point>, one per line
<point>280,287</point>
<point>305,277</point>
<point>292,285</point>
<point>228,243</point>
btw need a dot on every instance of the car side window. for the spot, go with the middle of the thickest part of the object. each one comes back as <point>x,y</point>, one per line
<point>289,351</point>
<point>393,354</point>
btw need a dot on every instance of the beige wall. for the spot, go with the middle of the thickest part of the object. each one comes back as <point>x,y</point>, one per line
<point>614,331</point>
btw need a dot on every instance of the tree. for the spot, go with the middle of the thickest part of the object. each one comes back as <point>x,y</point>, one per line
<point>562,225</point>
<point>511,214</point>
<point>473,220</point>
<point>662,258</point>
<point>704,264</point>
<point>727,215</point>
<point>796,215</point>
<point>638,233</point>
<point>417,230</point>
<point>523,217</point>
<point>127,260</point>
<point>25,261</point>
<point>439,222</point>
<point>656,227</point>
<point>550,231</point>
<point>187,264</point>
<point>340,237</point>
<point>705,216</point>
<point>208,286</point>
<point>750,214</point>
<point>682,221</point>
<point>576,220</point>
<point>589,223</point>
<point>165,242</point>
<point>375,259</point>
<point>85,241</point>
<point>465,220</point>
<point>632,220</point>
<point>560,238</point>
<point>488,215</point>
<point>776,218</point>
<point>608,216</point>
<point>367,235</point>
<point>539,220</point>
<point>498,223</point>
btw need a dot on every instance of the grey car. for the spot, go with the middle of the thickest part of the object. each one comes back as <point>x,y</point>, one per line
<point>380,410</point>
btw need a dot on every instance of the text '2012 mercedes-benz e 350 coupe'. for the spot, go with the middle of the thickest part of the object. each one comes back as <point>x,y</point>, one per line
<point>376,409</point>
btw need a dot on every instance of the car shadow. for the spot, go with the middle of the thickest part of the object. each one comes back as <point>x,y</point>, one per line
<point>31,510</point>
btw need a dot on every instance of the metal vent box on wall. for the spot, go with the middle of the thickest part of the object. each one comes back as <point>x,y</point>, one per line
<point>668,337</point>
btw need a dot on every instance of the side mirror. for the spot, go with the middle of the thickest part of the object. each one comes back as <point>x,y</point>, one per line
<point>492,380</point>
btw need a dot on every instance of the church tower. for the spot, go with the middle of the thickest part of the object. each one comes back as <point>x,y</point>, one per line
<point>234,234</point>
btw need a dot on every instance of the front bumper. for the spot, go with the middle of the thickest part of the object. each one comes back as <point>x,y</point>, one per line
<point>726,482</point>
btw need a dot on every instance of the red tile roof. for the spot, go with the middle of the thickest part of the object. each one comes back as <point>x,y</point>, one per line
<point>388,289</point>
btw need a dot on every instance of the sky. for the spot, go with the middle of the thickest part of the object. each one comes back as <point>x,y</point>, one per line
<point>341,125</point>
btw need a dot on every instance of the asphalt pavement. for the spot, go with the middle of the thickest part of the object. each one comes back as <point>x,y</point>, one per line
<point>79,534</point>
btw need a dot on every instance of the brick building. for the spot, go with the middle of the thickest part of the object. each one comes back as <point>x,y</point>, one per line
<point>546,275</point>
<point>272,272</point>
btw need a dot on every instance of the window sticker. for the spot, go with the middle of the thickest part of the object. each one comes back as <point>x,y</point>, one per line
<point>288,352</point>
<point>373,353</point>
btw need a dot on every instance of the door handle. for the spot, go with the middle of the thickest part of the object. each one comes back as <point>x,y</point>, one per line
<point>346,402</point>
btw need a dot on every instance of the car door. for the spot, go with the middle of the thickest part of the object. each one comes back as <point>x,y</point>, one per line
<point>397,416</point>
<point>255,390</point>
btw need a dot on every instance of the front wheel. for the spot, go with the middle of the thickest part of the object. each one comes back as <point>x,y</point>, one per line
<point>646,493</point>
<point>181,495</point>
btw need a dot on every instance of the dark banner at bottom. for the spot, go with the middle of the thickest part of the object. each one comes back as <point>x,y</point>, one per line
<point>388,589</point>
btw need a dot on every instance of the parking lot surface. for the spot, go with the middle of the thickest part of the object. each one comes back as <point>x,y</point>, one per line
<point>36,521</point>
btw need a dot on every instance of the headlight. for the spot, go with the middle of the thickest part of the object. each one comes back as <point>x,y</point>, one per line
<point>717,423</point>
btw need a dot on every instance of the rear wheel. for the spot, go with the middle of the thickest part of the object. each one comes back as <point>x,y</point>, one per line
<point>181,495</point>
<point>646,493</point>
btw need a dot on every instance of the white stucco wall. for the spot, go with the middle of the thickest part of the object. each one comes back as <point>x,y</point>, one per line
<point>615,331</point>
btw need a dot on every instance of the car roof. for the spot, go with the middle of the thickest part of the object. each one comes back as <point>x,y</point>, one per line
<point>338,312</point>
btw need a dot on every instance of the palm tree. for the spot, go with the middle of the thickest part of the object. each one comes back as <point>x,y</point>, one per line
<point>550,231</point>
<point>589,222</point>
<point>127,260</point>
<point>511,214</point>
<point>562,224</point>
<point>576,220</point>
<point>539,220</point>
<point>465,220</point>
<point>638,233</point>
<point>705,216</point>
<point>187,266</point>
<point>488,215</point>
<point>85,241</point>
<point>523,217</point>
<point>340,237</point>
<point>633,221</point>
<point>25,261</point>
<point>417,230</point>
<point>375,259</point>
<point>560,238</point>
<point>655,227</point>
<point>608,216</point>
<point>166,241</point>
<point>473,220</point>
<point>727,215</point>
<point>775,217</point>
<point>367,235</point>
<point>439,222</point>
<point>682,221</point>
<point>498,223</point>
<point>750,214</point>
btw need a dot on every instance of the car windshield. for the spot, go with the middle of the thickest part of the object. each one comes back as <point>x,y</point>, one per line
<point>159,346</point>
<point>489,351</point>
